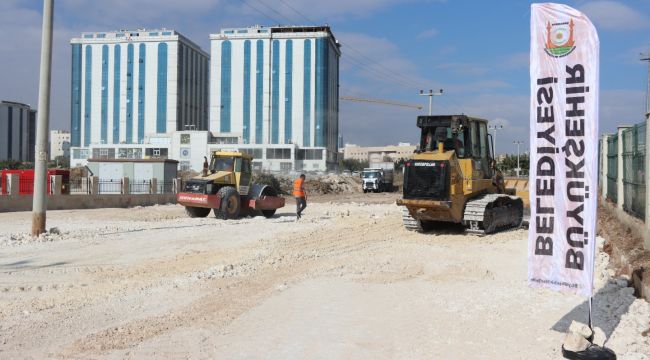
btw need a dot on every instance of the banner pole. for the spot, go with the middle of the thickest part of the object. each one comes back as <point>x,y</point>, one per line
<point>591,325</point>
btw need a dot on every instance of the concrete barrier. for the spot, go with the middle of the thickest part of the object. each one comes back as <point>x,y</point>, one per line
<point>67,202</point>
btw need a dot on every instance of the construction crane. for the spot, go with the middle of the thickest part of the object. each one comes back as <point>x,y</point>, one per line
<point>380,101</point>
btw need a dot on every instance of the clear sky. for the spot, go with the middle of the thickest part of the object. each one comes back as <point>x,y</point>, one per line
<point>477,51</point>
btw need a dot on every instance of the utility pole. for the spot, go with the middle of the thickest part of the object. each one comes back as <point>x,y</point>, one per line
<point>495,128</point>
<point>517,142</point>
<point>430,94</point>
<point>646,57</point>
<point>39,201</point>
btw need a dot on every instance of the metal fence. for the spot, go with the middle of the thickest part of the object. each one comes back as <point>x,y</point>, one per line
<point>634,180</point>
<point>80,185</point>
<point>612,167</point>
<point>25,186</point>
<point>110,186</point>
<point>140,186</point>
<point>633,175</point>
<point>165,187</point>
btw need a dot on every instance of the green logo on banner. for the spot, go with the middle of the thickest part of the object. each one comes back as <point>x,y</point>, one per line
<point>559,39</point>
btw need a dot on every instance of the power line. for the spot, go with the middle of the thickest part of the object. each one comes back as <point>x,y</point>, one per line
<point>289,21</point>
<point>261,12</point>
<point>388,70</point>
<point>378,69</point>
<point>369,65</point>
<point>377,74</point>
<point>298,12</point>
<point>380,101</point>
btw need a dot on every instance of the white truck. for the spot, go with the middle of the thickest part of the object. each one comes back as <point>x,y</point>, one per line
<point>378,177</point>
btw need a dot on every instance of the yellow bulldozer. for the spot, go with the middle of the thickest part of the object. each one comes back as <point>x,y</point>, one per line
<point>226,188</point>
<point>453,177</point>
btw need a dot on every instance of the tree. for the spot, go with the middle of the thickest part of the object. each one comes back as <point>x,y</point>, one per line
<point>15,165</point>
<point>352,165</point>
<point>399,164</point>
<point>509,164</point>
<point>60,162</point>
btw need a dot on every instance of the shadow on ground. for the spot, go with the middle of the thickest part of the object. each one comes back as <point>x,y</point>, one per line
<point>609,304</point>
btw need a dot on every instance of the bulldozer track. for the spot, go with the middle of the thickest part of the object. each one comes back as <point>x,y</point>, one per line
<point>410,223</point>
<point>481,218</point>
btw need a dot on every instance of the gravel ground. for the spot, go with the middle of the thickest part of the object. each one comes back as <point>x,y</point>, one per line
<point>346,281</point>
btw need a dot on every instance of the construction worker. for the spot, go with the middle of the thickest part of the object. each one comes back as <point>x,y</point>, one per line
<point>205,166</point>
<point>299,193</point>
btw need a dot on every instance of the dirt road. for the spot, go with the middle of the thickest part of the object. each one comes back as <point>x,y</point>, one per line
<point>347,281</point>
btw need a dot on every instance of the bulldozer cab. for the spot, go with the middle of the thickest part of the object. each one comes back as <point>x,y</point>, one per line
<point>466,136</point>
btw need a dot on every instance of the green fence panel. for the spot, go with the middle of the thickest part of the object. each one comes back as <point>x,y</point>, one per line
<point>612,166</point>
<point>634,182</point>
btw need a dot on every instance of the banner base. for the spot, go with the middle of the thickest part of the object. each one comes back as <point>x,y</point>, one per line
<point>593,352</point>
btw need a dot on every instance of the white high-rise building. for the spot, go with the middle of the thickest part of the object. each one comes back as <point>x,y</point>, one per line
<point>130,84</point>
<point>276,89</point>
<point>59,144</point>
<point>17,131</point>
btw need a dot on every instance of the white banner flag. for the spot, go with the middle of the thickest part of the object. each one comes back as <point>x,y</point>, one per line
<point>564,66</point>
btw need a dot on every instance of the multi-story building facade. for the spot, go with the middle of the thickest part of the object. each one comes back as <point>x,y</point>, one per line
<point>277,88</point>
<point>127,85</point>
<point>378,153</point>
<point>59,144</point>
<point>17,131</point>
<point>273,94</point>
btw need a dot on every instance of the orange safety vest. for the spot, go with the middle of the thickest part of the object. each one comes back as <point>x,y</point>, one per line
<point>298,190</point>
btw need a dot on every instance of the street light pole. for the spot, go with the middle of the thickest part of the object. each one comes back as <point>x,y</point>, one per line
<point>517,142</point>
<point>39,201</point>
<point>430,94</point>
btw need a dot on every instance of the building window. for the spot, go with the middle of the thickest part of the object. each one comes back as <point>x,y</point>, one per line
<point>322,89</point>
<point>76,96</point>
<point>166,33</point>
<point>116,92</point>
<point>141,91</point>
<point>129,93</point>
<point>225,140</point>
<point>88,94</point>
<point>226,48</point>
<point>88,36</point>
<point>229,31</point>
<point>255,153</point>
<point>278,154</point>
<point>288,91</point>
<point>247,91</point>
<point>80,153</point>
<point>306,104</point>
<point>119,35</point>
<point>259,96</point>
<point>310,154</point>
<point>161,113</point>
<point>275,92</point>
<point>186,166</point>
<point>104,97</point>
<point>160,153</point>
<point>101,36</point>
<point>153,34</point>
